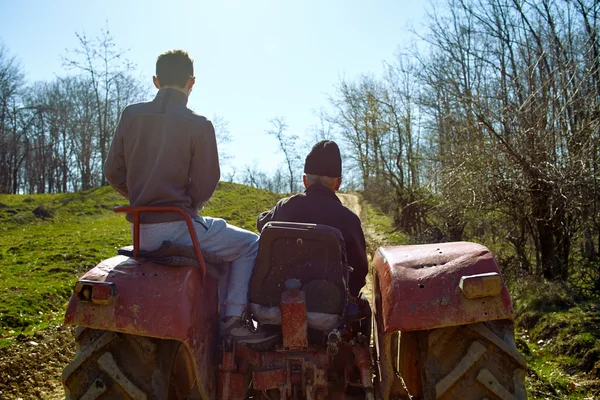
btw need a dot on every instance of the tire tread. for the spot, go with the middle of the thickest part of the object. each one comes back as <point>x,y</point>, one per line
<point>472,361</point>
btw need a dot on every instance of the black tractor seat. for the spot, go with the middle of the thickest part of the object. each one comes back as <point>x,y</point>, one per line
<point>314,254</point>
<point>177,255</point>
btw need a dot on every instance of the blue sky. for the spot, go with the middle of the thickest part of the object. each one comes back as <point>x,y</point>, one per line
<point>254,60</point>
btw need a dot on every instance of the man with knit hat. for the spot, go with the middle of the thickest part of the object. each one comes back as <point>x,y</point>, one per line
<point>319,205</point>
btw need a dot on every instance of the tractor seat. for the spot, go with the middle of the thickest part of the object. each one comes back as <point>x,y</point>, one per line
<point>315,255</point>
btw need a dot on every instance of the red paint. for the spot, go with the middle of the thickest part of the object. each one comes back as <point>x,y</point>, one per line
<point>103,294</point>
<point>231,382</point>
<point>156,301</point>
<point>362,359</point>
<point>419,286</point>
<point>307,370</point>
<point>293,320</point>
<point>231,386</point>
<point>269,379</point>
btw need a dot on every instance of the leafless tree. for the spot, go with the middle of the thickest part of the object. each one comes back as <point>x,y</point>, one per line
<point>12,144</point>
<point>54,135</point>
<point>378,122</point>
<point>224,137</point>
<point>287,144</point>
<point>108,72</point>
<point>253,176</point>
<point>513,95</point>
<point>493,133</point>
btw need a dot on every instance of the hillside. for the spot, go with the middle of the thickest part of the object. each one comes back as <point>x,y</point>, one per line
<point>48,240</point>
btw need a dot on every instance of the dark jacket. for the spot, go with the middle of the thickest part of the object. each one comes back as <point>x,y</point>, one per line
<point>320,205</point>
<point>163,154</point>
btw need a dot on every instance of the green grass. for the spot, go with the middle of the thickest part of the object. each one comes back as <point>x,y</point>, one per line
<point>561,351</point>
<point>239,205</point>
<point>383,226</point>
<point>560,336</point>
<point>42,257</point>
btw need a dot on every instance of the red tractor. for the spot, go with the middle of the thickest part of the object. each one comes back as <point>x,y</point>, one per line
<point>442,319</point>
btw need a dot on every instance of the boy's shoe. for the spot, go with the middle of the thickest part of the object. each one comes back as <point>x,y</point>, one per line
<point>235,327</point>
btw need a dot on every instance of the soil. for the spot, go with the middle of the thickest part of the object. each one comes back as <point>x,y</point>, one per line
<point>31,366</point>
<point>352,201</point>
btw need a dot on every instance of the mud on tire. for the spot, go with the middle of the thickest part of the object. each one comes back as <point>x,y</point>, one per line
<point>471,362</point>
<point>110,365</point>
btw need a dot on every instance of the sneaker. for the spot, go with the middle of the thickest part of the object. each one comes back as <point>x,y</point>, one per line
<point>235,327</point>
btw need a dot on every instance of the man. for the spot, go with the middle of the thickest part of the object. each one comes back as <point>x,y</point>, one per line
<point>319,205</point>
<point>164,154</point>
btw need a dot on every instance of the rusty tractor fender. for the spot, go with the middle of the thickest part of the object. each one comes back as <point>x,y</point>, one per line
<point>438,285</point>
<point>142,298</point>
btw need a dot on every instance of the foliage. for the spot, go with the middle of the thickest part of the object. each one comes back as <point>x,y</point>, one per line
<point>54,135</point>
<point>557,329</point>
<point>559,333</point>
<point>381,226</point>
<point>497,121</point>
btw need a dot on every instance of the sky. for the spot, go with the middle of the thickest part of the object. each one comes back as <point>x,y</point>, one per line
<point>254,60</point>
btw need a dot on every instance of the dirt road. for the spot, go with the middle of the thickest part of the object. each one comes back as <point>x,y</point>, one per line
<point>353,202</point>
<point>31,366</point>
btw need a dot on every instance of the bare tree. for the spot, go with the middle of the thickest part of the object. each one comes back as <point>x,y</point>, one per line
<point>253,176</point>
<point>224,137</point>
<point>493,133</point>
<point>515,108</point>
<point>11,137</point>
<point>377,121</point>
<point>287,145</point>
<point>107,70</point>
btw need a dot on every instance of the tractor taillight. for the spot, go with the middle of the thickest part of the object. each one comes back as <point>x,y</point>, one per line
<point>481,285</point>
<point>95,292</point>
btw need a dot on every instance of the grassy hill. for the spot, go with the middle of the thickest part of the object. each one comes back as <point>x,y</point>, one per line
<point>47,241</point>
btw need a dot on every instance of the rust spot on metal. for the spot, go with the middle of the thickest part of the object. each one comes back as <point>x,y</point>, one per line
<point>400,276</point>
<point>190,317</point>
<point>293,320</point>
<point>269,379</point>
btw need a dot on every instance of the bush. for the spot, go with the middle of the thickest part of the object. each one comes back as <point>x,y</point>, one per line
<point>43,211</point>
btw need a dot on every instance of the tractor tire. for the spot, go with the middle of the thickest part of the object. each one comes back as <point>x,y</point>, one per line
<point>473,361</point>
<point>111,365</point>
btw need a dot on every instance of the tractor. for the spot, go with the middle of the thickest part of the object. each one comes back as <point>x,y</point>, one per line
<point>439,325</point>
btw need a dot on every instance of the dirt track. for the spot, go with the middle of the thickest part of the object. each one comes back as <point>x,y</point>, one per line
<point>353,201</point>
<point>30,367</point>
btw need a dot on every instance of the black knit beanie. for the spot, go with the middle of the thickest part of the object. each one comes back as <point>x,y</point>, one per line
<point>324,159</point>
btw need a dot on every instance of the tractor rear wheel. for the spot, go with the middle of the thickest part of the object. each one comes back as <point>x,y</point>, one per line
<point>111,365</point>
<point>473,361</point>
